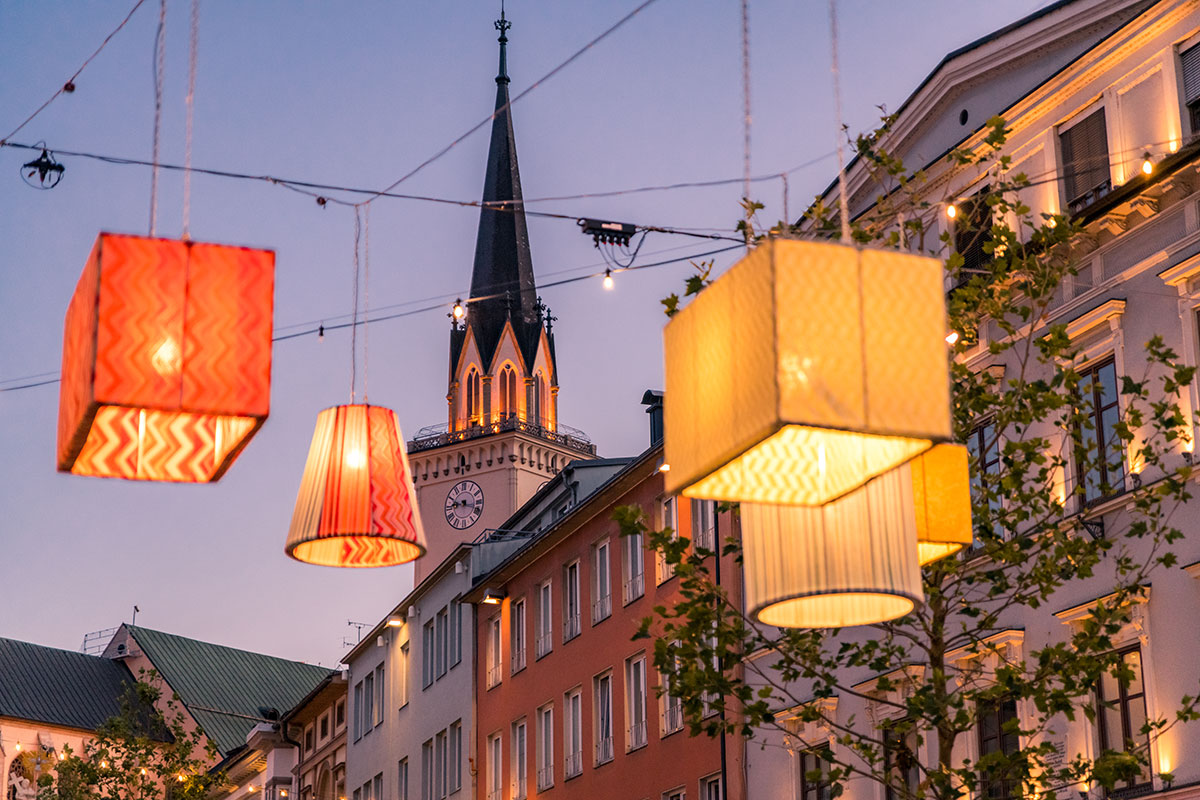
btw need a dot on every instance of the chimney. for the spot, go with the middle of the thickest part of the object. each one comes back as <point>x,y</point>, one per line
<point>653,401</point>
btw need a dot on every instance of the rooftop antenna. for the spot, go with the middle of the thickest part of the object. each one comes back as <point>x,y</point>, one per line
<point>358,626</point>
<point>134,620</point>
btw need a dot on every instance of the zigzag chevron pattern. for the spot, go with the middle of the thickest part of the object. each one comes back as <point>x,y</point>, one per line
<point>166,359</point>
<point>356,506</point>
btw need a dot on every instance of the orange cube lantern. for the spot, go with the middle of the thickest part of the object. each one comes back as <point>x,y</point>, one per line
<point>166,370</point>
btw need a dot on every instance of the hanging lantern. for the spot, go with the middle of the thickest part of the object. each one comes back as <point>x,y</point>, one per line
<point>166,369</point>
<point>805,371</point>
<point>356,506</point>
<point>850,562</point>
<point>942,500</point>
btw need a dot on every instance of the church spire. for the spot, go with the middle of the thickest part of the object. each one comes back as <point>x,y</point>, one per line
<point>502,283</point>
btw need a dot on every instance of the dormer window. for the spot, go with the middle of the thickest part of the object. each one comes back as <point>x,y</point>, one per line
<point>1085,170</point>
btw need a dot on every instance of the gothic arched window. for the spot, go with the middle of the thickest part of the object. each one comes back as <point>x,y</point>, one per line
<point>474,404</point>
<point>508,391</point>
<point>539,399</point>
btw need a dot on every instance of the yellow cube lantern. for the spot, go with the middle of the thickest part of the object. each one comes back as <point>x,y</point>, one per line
<point>942,499</point>
<point>803,372</point>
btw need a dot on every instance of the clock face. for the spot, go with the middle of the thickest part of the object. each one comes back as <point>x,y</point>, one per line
<point>464,504</point>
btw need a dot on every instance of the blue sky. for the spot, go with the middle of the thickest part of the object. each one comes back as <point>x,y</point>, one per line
<point>357,94</point>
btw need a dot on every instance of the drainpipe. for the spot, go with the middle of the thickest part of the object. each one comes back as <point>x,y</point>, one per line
<point>717,575</point>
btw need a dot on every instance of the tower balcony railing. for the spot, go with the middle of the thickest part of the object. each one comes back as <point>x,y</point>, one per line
<point>433,436</point>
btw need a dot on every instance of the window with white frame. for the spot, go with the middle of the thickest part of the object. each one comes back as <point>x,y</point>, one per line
<point>455,632</point>
<point>443,642</point>
<point>427,770</point>
<point>670,707</point>
<point>516,637</point>
<point>357,712</point>
<point>402,779</point>
<point>520,760</point>
<point>571,620</point>
<point>368,703</point>
<point>602,717</point>
<point>678,793</point>
<point>635,702</point>
<point>633,556</point>
<point>545,747</point>
<point>1085,168</point>
<point>666,570</point>
<point>601,583</point>
<point>1098,397</point>
<point>427,651</point>
<point>572,734</point>
<point>402,679</point>
<point>710,788</point>
<point>1121,712</point>
<point>454,757</point>
<point>439,765</point>
<point>545,629</point>
<point>493,651</point>
<point>704,525</point>
<point>494,765</point>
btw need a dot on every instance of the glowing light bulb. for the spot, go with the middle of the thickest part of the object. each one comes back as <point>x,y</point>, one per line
<point>18,747</point>
<point>103,765</point>
<point>356,459</point>
<point>1147,164</point>
<point>608,281</point>
<point>459,311</point>
<point>143,771</point>
<point>952,337</point>
<point>665,467</point>
<point>951,210</point>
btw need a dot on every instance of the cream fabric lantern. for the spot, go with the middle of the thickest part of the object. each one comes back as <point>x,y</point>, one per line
<point>942,500</point>
<point>803,372</point>
<point>850,562</point>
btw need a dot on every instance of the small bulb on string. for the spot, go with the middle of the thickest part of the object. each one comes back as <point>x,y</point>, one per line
<point>320,333</point>
<point>459,311</point>
<point>951,210</point>
<point>608,280</point>
<point>1147,164</point>
<point>952,337</point>
<point>18,747</point>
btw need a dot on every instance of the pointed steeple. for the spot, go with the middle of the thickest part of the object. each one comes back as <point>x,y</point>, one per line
<point>502,283</point>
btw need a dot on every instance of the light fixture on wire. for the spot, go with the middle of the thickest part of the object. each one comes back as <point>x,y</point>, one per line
<point>1147,164</point>
<point>951,210</point>
<point>608,279</point>
<point>43,172</point>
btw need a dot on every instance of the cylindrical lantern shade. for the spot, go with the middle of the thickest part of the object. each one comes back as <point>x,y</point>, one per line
<point>803,372</point>
<point>942,499</point>
<point>357,506</point>
<point>850,562</point>
<point>166,370</point>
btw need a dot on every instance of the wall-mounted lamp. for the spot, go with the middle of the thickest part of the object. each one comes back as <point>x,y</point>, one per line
<point>412,612</point>
<point>379,640</point>
<point>395,621</point>
<point>493,597</point>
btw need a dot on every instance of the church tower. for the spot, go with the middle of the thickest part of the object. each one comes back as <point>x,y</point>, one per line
<point>502,440</point>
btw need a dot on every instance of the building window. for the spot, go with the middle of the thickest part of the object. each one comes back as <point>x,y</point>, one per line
<point>635,702</point>
<point>308,741</point>
<point>357,710</point>
<point>402,779</point>
<point>377,794</point>
<point>1104,473</point>
<point>520,760</point>
<point>439,764</point>
<point>1084,148</point>
<point>358,794</point>
<point>538,404</point>
<point>455,632</point>
<point>710,788</point>
<point>571,623</point>
<point>402,683</point>
<point>454,757</point>
<point>508,392</point>
<point>1122,712</point>
<point>474,397</point>
<point>572,734</point>
<point>545,635</point>
<point>545,748</point>
<point>369,700</point>
<point>972,230</point>
<point>427,770</point>
<point>380,695</point>
<point>517,634</point>
<point>1189,69</point>
<point>324,728</point>
<point>602,720</point>
<point>339,715</point>
<point>493,767</point>
<point>442,627</point>
<point>666,570</point>
<point>997,726</point>
<point>983,444</point>
<point>601,583</point>
<point>812,776</point>
<point>704,525</point>
<point>670,707</point>
<point>675,794</point>
<point>635,569</point>
<point>900,759</point>
<point>427,650</point>
<point>493,652</point>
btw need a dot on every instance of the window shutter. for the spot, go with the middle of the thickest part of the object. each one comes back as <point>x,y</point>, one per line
<point>1190,64</point>
<point>1085,156</point>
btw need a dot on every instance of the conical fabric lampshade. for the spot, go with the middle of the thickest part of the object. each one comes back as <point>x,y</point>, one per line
<point>804,371</point>
<point>356,506</point>
<point>166,370</point>
<point>850,562</point>
<point>942,500</point>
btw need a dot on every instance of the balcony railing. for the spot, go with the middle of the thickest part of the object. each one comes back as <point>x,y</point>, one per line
<point>604,751</point>
<point>635,587</point>
<point>518,659</point>
<point>519,789</point>
<point>433,436</point>
<point>493,675</point>
<point>601,608</point>
<point>637,735</point>
<point>571,627</point>
<point>673,716</point>
<point>545,643</point>
<point>545,778</point>
<point>573,764</point>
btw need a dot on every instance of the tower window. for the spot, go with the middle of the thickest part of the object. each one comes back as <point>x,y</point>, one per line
<point>508,392</point>
<point>474,396</point>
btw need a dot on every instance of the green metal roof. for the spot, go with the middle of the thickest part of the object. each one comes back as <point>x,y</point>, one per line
<point>223,686</point>
<point>59,687</point>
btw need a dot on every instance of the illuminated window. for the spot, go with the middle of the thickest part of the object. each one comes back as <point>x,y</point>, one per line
<point>1103,472</point>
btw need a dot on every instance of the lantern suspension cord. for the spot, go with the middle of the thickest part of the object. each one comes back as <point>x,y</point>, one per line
<point>746,113</point>
<point>366,298</point>
<point>69,85</point>
<point>193,43</point>
<point>160,63</point>
<point>354,327</point>
<point>843,202</point>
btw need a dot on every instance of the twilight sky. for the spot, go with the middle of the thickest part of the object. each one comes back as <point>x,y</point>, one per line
<point>357,94</point>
